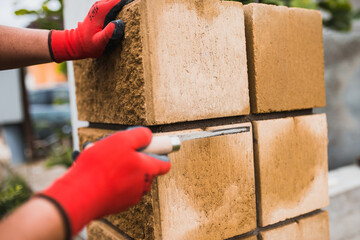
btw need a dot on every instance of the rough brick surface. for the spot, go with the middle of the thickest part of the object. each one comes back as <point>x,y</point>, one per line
<point>310,228</point>
<point>91,135</point>
<point>210,191</point>
<point>291,166</point>
<point>138,222</point>
<point>112,88</point>
<point>97,230</point>
<point>285,58</point>
<point>178,62</point>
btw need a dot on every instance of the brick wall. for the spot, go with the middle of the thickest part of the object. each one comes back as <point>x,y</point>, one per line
<point>194,66</point>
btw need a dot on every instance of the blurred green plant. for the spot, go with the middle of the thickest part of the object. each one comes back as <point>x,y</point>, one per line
<point>46,17</point>
<point>14,191</point>
<point>62,68</point>
<point>341,14</point>
<point>60,156</point>
<point>61,153</point>
<point>309,4</point>
<point>338,14</point>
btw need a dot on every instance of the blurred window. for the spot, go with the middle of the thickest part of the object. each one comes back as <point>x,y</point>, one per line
<point>60,96</point>
<point>56,96</point>
<point>40,97</point>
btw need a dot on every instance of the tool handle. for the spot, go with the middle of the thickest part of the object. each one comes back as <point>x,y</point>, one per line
<point>162,145</point>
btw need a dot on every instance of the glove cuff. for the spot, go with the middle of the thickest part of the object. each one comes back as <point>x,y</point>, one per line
<point>50,47</point>
<point>63,47</point>
<point>73,193</point>
<point>64,216</point>
<point>57,46</point>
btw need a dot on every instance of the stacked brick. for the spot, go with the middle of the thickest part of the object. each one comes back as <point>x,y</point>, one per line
<point>193,66</point>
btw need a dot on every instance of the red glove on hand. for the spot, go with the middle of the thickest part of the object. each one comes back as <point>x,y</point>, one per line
<point>97,32</point>
<point>108,177</point>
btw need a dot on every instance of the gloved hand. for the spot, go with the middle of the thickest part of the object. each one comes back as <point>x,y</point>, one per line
<point>108,177</point>
<point>98,31</point>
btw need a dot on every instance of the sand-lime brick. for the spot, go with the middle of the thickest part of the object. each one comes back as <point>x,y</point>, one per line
<point>179,61</point>
<point>285,58</point>
<point>291,166</point>
<point>210,190</point>
<point>97,230</point>
<point>315,227</point>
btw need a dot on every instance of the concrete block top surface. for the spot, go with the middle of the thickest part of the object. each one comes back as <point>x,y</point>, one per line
<point>179,61</point>
<point>314,227</point>
<point>291,166</point>
<point>285,57</point>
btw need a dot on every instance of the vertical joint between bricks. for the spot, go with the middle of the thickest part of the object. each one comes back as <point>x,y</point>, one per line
<point>256,177</point>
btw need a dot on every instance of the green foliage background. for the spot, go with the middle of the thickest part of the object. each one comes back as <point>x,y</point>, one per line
<point>14,191</point>
<point>340,13</point>
<point>45,17</point>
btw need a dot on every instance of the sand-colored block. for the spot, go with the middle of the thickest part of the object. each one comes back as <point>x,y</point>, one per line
<point>249,238</point>
<point>291,166</point>
<point>179,61</point>
<point>210,191</point>
<point>92,135</point>
<point>315,227</point>
<point>97,230</point>
<point>285,58</point>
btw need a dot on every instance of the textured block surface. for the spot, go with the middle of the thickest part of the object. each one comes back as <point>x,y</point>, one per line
<point>97,230</point>
<point>177,63</point>
<point>138,221</point>
<point>285,58</point>
<point>315,227</point>
<point>210,191</point>
<point>291,166</point>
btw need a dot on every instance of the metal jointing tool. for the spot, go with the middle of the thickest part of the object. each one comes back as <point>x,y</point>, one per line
<point>163,145</point>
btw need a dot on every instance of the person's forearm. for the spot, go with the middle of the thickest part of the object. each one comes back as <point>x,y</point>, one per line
<point>37,219</point>
<point>23,47</point>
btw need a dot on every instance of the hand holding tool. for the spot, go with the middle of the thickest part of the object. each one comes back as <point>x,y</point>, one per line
<point>107,178</point>
<point>162,145</point>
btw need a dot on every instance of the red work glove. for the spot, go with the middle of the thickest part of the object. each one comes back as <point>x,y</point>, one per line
<point>107,178</point>
<point>92,36</point>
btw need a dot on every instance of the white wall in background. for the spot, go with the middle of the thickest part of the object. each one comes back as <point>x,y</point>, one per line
<point>11,110</point>
<point>74,12</point>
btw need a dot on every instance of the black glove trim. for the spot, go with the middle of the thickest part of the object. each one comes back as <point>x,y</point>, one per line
<point>115,11</point>
<point>50,48</point>
<point>62,212</point>
<point>75,155</point>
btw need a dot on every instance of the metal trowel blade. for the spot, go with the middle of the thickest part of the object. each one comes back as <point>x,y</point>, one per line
<point>215,133</point>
